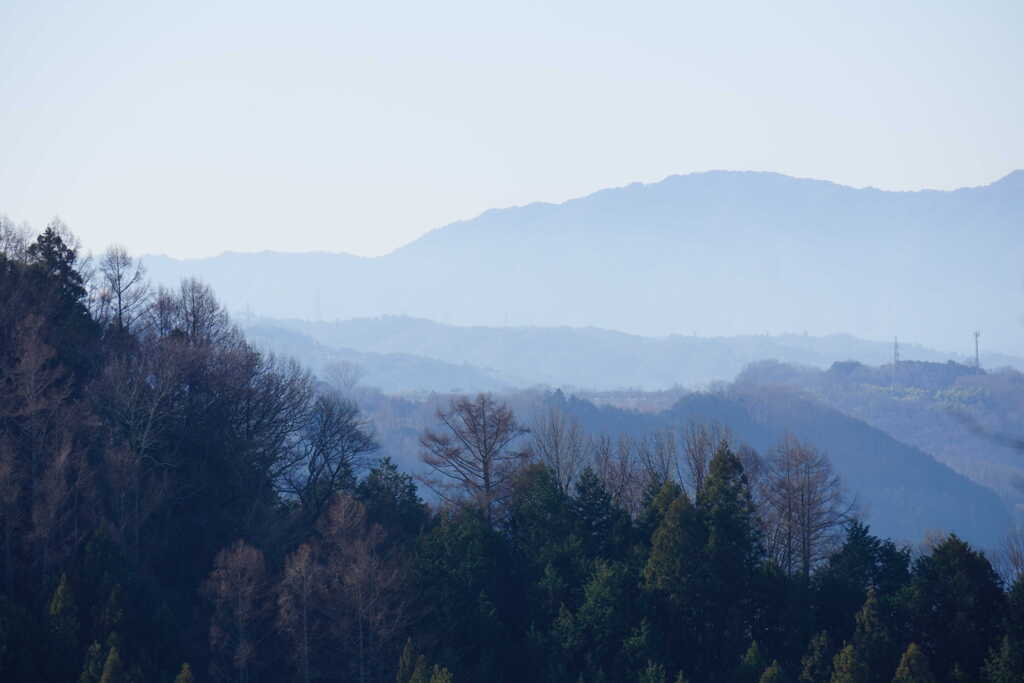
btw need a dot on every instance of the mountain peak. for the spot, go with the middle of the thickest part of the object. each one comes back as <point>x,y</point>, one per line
<point>1015,178</point>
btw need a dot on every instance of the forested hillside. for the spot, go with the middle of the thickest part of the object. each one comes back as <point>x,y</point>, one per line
<point>487,358</point>
<point>176,505</point>
<point>968,418</point>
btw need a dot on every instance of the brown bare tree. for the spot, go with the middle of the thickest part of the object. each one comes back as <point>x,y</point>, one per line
<point>299,597</point>
<point>365,601</point>
<point>1008,557</point>
<point>343,376</point>
<point>616,465</point>
<point>124,292</point>
<point>474,456</point>
<point>237,589</point>
<point>699,444</point>
<point>804,506</point>
<point>559,442</point>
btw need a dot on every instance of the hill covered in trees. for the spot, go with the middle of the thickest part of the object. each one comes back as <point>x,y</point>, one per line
<point>486,358</point>
<point>719,253</point>
<point>965,417</point>
<point>176,505</point>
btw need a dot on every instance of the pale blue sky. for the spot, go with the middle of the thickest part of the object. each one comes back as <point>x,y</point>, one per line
<point>190,128</point>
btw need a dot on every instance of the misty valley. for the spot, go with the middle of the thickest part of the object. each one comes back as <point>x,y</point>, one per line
<point>702,430</point>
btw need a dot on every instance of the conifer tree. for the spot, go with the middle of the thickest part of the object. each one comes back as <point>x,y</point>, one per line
<point>652,673</point>
<point>185,675</point>
<point>751,665</point>
<point>957,605</point>
<point>113,669</point>
<point>674,563</point>
<point>421,673</point>
<point>63,622</point>
<point>64,614</point>
<point>440,675</point>
<point>773,674</point>
<point>871,640</point>
<point>407,663</point>
<point>1004,665</point>
<point>733,555</point>
<point>913,667</point>
<point>93,667</point>
<point>848,667</point>
<point>816,665</point>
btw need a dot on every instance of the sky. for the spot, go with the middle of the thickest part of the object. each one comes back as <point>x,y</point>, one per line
<point>192,128</point>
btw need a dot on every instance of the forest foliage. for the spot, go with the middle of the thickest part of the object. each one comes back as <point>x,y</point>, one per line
<point>177,506</point>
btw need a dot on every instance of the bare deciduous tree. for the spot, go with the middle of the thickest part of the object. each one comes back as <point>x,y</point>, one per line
<point>365,602</point>
<point>299,597</point>
<point>561,444</point>
<point>124,290</point>
<point>615,463</point>
<point>237,589</point>
<point>14,239</point>
<point>343,376</point>
<point>699,444</point>
<point>332,448</point>
<point>804,505</point>
<point>474,456</point>
<point>657,453</point>
<point>1008,558</point>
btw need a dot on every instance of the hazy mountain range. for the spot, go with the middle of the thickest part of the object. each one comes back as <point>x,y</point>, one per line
<point>717,254</point>
<point>400,354</point>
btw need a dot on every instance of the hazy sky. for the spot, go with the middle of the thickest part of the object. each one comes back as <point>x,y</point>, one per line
<point>190,128</point>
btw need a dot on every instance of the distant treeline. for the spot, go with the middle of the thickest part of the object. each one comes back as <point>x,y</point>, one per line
<point>176,506</point>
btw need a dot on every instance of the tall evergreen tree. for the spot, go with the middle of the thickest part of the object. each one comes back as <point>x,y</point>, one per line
<point>957,606</point>
<point>92,669</point>
<point>113,669</point>
<point>185,675</point>
<point>733,551</point>
<point>773,674</point>
<point>913,667</point>
<point>816,664</point>
<point>849,667</point>
<point>1004,664</point>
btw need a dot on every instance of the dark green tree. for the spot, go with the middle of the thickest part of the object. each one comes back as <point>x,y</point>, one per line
<point>92,669</point>
<point>652,673</point>
<point>849,667</point>
<point>391,500</point>
<point>603,527</point>
<point>913,667</point>
<point>751,665</point>
<point>816,664</point>
<point>62,613</point>
<point>113,669</point>
<point>773,674</point>
<point>957,606</point>
<point>1004,664</point>
<point>185,675</point>
<point>734,552</point>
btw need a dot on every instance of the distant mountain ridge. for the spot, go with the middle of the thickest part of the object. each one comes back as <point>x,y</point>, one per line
<point>587,358</point>
<point>720,253</point>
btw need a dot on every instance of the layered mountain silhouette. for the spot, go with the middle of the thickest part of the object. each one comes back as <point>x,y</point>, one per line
<point>409,354</point>
<point>717,253</point>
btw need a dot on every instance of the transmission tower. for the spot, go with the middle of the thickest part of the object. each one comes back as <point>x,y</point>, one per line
<point>895,360</point>
<point>977,353</point>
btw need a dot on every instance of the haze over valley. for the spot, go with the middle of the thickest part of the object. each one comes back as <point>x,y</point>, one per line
<point>716,254</point>
<point>547,342</point>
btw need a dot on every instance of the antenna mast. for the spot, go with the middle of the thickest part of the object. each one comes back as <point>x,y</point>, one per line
<point>977,354</point>
<point>895,360</point>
